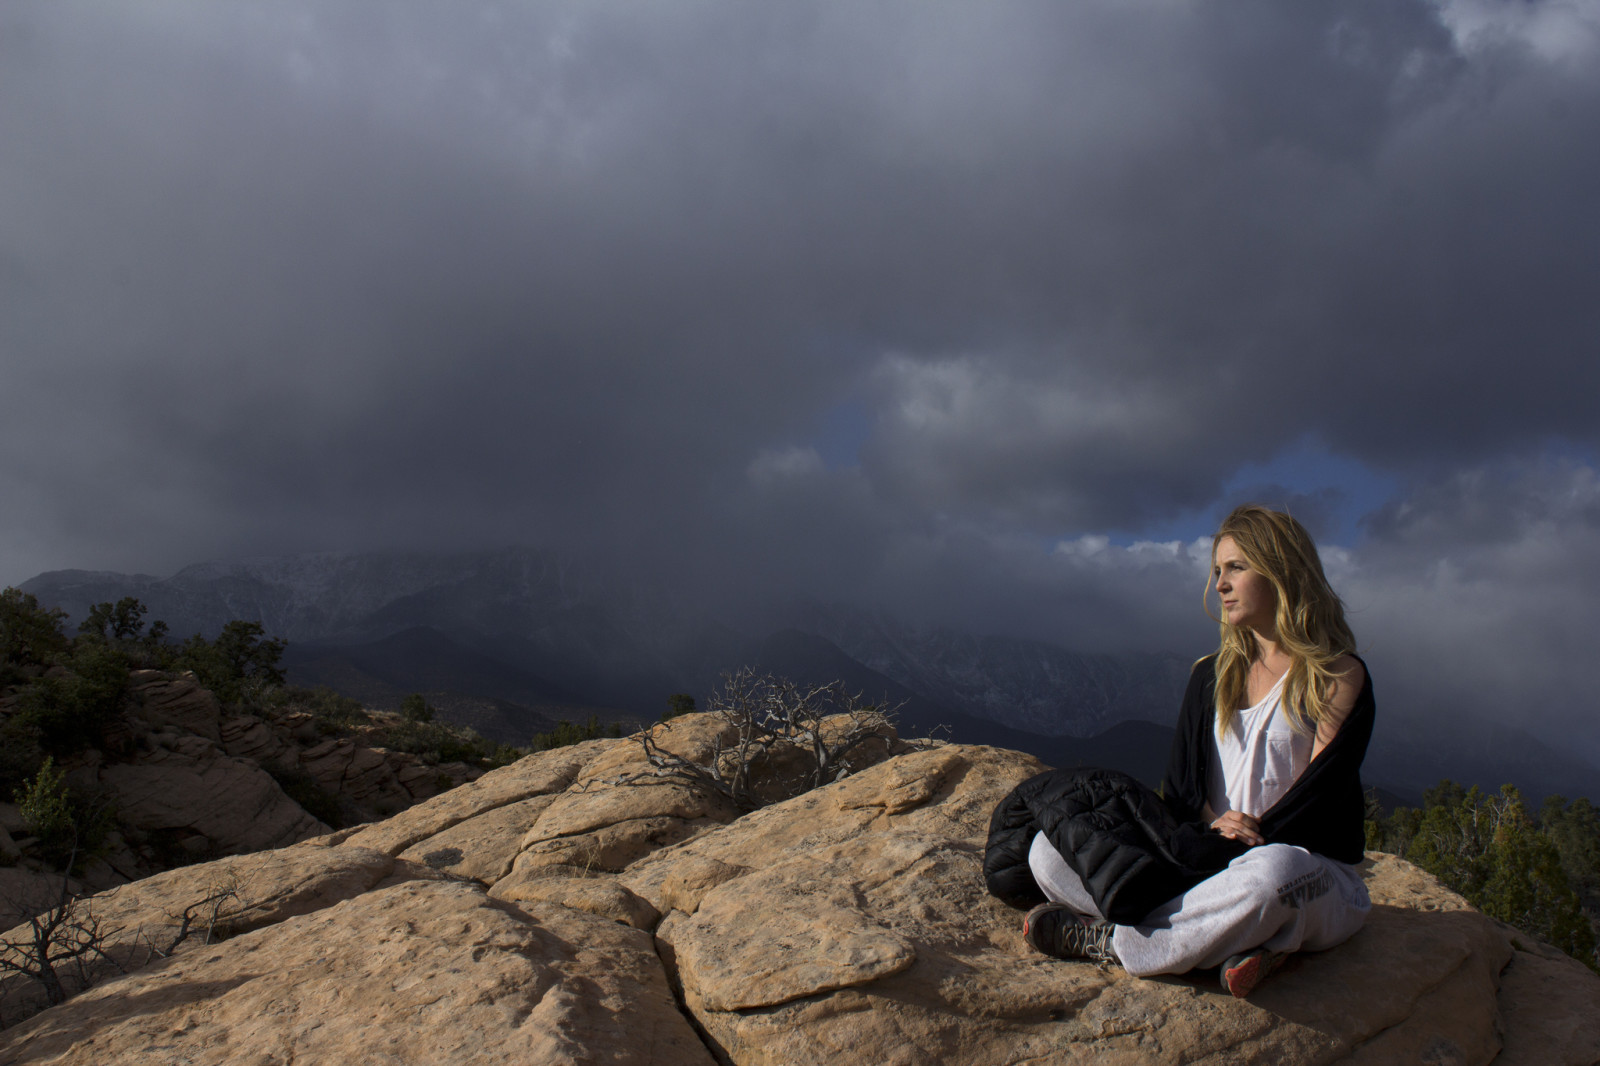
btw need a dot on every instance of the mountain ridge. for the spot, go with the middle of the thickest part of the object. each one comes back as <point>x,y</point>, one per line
<point>617,651</point>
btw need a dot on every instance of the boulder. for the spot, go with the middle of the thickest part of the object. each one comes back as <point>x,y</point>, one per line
<point>422,972</point>
<point>9,852</point>
<point>364,775</point>
<point>161,699</point>
<point>582,891</point>
<point>246,736</point>
<point>848,924</point>
<point>547,773</point>
<point>185,782</point>
<point>1546,1007</point>
<point>25,891</point>
<point>481,847</point>
<point>135,924</point>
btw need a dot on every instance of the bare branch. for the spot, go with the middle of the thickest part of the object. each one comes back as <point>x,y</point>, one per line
<point>786,739</point>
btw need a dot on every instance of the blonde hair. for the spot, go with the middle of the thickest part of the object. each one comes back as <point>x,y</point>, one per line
<point>1310,618</point>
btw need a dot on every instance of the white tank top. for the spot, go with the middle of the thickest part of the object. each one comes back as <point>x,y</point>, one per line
<point>1259,756</point>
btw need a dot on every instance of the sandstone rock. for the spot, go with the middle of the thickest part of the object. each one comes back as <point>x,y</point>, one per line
<point>601,895</point>
<point>537,775</point>
<point>613,811</point>
<point>178,700</point>
<point>348,769</point>
<point>483,846</point>
<point>458,773</point>
<point>693,736</point>
<point>25,892</point>
<point>611,848</point>
<point>266,888</point>
<point>1547,1008</point>
<point>361,774</point>
<point>576,812</point>
<point>418,780</point>
<point>849,924</point>
<point>732,961</point>
<point>691,878</point>
<point>247,737</point>
<point>428,973</point>
<point>901,849</point>
<point>961,784</point>
<point>193,786</point>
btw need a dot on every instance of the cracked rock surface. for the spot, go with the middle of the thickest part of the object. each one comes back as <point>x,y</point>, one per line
<point>555,911</point>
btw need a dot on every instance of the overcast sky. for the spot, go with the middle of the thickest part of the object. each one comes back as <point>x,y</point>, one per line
<point>983,312</point>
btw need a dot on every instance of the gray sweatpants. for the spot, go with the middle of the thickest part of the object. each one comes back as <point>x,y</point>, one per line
<point>1276,896</point>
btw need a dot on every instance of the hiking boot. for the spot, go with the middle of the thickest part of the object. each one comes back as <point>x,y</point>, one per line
<point>1242,973</point>
<point>1058,930</point>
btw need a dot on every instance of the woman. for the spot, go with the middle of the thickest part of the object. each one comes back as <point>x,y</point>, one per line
<point>1268,753</point>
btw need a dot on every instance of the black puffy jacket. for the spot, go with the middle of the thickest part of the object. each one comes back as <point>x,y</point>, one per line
<point>1135,850</point>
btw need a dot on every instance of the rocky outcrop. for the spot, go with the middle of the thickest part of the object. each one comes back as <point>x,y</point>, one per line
<point>139,922</point>
<point>576,907</point>
<point>187,778</point>
<point>183,783</point>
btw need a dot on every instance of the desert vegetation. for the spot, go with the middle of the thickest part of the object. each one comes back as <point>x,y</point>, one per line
<point>785,738</point>
<point>1538,871</point>
<point>63,698</point>
<point>67,945</point>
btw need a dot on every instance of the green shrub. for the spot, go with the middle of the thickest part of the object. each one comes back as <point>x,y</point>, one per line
<point>1575,830</point>
<point>1492,851</point>
<point>21,752</point>
<point>566,733</point>
<point>43,803</point>
<point>72,710</point>
<point>123,620</point>
<point>30,636</point>
<point>414,708</point>
<point>436,741</point>
<point>239,663</point>
<point>333,713</point>
<point>69,826</point>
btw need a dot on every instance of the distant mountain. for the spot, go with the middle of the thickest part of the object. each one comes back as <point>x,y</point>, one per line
<point>622,648</point>
<point>1025,684</point>
<point>813,660</point>
<point>499,701</point>
<point>511,640</point>
<point>1409,756</point>
<point>529,610</point>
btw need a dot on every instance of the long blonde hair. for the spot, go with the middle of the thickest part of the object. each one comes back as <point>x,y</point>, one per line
<point>1310,618</point>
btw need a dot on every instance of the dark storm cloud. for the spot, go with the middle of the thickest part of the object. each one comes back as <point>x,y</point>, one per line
<point>315,275</point>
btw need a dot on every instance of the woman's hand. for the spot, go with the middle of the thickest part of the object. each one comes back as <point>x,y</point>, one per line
<point>1237,825</point>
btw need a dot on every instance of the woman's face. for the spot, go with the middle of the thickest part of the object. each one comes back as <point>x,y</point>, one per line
<point>1248,598</point>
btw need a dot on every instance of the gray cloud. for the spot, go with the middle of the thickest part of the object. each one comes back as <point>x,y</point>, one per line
<point>294,276</point>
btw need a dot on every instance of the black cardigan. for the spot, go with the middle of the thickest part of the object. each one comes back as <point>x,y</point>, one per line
<point>1324,810</point>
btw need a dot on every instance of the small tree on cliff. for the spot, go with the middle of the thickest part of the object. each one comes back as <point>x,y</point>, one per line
<point>415,708</point>
<point>30,636</point>
<point>123,620</point>
<point>242,658</point>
